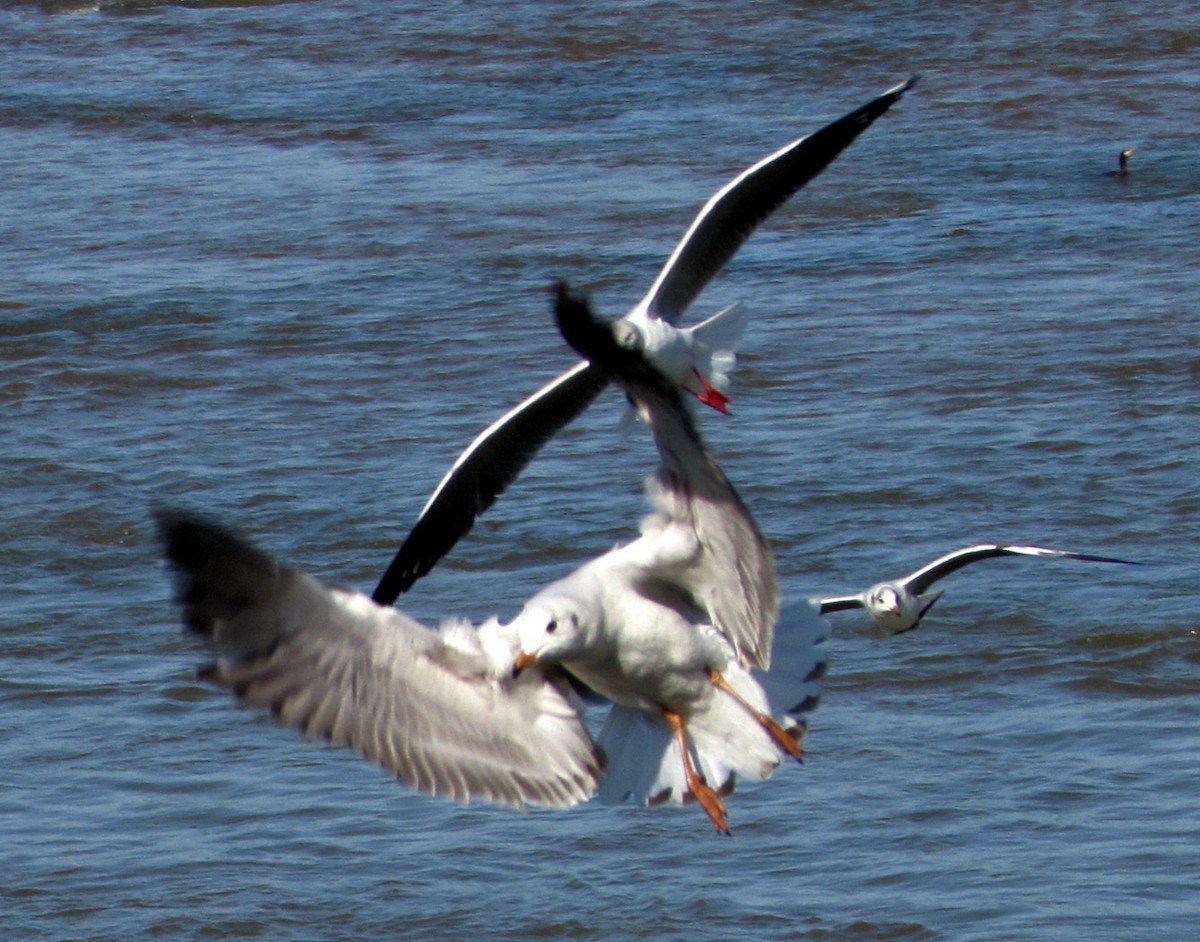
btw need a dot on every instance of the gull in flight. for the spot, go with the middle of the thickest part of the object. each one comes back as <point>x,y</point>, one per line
<point>900,605</point>
<point>669,629</point>
<point>688,356</point>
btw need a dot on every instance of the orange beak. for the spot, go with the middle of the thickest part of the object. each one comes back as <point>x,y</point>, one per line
<point>523,661</point>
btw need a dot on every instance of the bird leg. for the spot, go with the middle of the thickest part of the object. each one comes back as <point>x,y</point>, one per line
<point>785,739</point>
<point>709,800</point>
<point>710,395</point>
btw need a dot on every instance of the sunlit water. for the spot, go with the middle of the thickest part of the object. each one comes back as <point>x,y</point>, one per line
<point>278,263</point>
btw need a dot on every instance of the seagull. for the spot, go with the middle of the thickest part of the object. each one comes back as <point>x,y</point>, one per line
<point>667,628</point>
<point>670,626</point>
<point>690,356</point>
<point>900,605</point>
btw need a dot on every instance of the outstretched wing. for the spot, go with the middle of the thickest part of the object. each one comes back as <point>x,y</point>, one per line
<point>482,473</point>
<point>431,707</point>
<point>923,578</point>
<point>737,209</point>
<point>733,576</point>
<point>839,603</point>
<point>501,452</point>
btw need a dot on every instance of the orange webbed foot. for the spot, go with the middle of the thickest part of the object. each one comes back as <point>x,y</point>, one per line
<point>705,796</point>
<point>710,395</point>
<point>785,739</point>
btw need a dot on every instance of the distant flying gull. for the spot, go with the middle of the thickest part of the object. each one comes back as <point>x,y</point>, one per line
<point>899,606</point>
<point>690,356</point>
<point>668,628</point>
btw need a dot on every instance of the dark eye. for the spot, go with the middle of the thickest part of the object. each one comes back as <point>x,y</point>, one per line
<point>552,627</point>
<point>627,335</point>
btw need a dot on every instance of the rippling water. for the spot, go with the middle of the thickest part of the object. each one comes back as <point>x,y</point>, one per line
<point>279,262</point>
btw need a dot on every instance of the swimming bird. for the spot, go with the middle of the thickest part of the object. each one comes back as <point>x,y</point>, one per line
<point>668,628</point>
<point>900,605</point>
<point>692,357</point>
<point>1122,164</point>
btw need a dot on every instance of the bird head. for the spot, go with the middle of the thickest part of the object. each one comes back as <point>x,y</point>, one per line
<point>893,608</point>
<point>628,335</point>
<point>548,631</point>
<point>885,599</point>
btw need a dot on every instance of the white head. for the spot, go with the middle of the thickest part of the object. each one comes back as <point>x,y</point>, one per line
<point>552,630</point>
<point>895,609</point>
<point>885,601</point>
<point>628,334</point>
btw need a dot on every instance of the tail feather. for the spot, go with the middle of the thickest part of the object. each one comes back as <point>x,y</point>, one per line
<point>718,338</point>
<point>798,660</point>
<point>644,762</point>
<point>727,739</point>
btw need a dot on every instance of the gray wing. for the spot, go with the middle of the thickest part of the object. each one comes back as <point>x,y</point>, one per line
<point>436,714</point>
<point>923,578</point>
<point>735,578</point>
<point>737,209</point>
<point>482,473</point>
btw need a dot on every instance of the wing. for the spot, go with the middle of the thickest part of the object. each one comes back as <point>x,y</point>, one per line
<point>839,603</point>
<point>482,473</point>
<point>926,576</point>
<point>733,576</point>
<point>439,715</point>
<point>501,452</point>
<point>923,578</point>
<point>737,209</point>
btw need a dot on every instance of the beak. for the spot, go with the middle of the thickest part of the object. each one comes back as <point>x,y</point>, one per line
<point>523,661</point>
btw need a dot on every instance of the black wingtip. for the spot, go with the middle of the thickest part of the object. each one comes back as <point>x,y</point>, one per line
<point>573,317</point>
<point>188,540</point>
<point>1091,558</point>
<point>217,573</point>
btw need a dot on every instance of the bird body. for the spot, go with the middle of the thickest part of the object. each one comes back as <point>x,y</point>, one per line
<point>899,605</point>
<point>698,359</point>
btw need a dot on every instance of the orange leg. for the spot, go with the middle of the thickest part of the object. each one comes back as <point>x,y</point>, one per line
<point>784,739</point>
<point>710,395</point>
<point>709,800</point>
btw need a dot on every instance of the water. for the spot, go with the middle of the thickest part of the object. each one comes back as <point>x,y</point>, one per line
<point>278,263</point>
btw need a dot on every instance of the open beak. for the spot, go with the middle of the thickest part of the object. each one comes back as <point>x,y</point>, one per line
<point>523,661</point>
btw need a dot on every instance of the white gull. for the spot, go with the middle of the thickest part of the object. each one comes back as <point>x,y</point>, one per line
<point>668,628</point>
<point>690,356</point>
<point>900,605</point>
